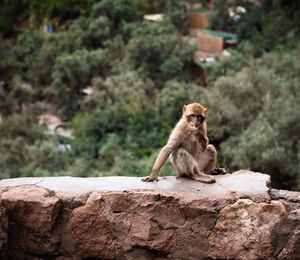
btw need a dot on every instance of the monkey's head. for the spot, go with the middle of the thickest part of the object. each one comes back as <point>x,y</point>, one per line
<point>194,114</point>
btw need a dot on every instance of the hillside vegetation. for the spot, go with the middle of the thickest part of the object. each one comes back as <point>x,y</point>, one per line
<point>140,74</point>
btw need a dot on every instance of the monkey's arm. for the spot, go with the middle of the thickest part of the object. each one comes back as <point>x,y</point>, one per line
<point>204,142</point>
<point>201,135</point>
<point>161,158</point>
<point>164,154</point>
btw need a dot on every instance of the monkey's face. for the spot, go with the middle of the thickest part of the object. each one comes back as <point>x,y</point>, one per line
<point>195,120</point>
<point>195,114</point>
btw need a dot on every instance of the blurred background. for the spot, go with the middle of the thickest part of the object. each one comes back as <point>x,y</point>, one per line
<point>93,88</point>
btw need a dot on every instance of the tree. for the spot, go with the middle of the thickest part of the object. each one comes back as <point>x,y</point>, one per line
<point>256,121</point>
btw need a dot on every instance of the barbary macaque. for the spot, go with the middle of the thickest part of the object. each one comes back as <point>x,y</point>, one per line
<point>188,148</point>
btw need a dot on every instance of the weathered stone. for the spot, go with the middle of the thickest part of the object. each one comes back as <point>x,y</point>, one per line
<point>241,182</point>
<point>32,211</point>
<point>243,230</point>
<point>292,196</point>
<point>292,249</point>
<point>35,207</point>
<point>91,230</point>
<point>238,217</point>
<point>148,234</point>
<point>3,233</point>
<point>144,220</point>
<point>286,237</point>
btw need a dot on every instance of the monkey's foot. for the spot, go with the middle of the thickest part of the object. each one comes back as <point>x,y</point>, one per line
<point>205,178</point>
<point>218,171</point>
<point>149,179</point>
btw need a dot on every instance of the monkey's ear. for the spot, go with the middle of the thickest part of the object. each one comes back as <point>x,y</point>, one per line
<point>205,110</point>
<point>184,108</point>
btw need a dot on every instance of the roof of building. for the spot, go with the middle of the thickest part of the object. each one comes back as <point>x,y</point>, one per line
<point>220,34</point>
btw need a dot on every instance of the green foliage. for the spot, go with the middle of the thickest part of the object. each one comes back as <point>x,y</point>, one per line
<point>144,128</point>
<point>138,167</point>
<point>27,43</point>
<point>17,56</point>
<point>56,45</point>
<point>262,27</point>
<point>25,150</point>
<point>16,94</point>
<point>173,11</point>
<point>71,9</point>
<point>72,73</point>
<point>219,18</point>
<point>116,12</point>
<point>117,89</point>
<point>226,66</point>
<point>96,125</point>
<point>37,13</point>
<point>140,75</point>
<point>99,30</point>
<point>19,125</point>
<point>177,13</point>
<point>275,22</point>
<point>157,52</point>
<point>173,94</point>
<point>8,63</point>
<point>257,119</point>
<point>11,12</point>
<point>136,122</point>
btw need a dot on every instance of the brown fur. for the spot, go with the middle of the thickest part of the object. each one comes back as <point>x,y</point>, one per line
<point>188,148</point>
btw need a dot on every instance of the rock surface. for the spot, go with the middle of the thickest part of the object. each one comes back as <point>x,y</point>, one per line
<point>3,232</point>
<point>238,217</point>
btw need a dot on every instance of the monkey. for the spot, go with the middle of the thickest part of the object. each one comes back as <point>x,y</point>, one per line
<point>188,148</point>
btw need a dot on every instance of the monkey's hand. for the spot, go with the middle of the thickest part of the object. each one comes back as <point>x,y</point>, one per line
<point>204,145</point>
<point>150,178</point>
<point>194,131</point>
<point>204,142</point>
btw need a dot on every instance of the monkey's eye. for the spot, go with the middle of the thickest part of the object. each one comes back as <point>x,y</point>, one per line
<point>200,117</point>
<point>192,116</point>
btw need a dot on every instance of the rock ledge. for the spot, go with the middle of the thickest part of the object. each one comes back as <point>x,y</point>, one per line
<point>238,217</point>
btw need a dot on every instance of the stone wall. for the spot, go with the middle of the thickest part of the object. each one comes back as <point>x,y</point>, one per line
<point>212,221</point>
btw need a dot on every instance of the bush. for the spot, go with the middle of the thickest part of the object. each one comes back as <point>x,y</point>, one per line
<point>99,30</point>
<point>219,18</point>
<point>118,89</point>
<point>17,56</point>
<point>14,96</point>
<point>96,125</point>
<point>274,23</point>
<point>172,98</point>
<point>117,11</point>
<point>26,151</point>
<point>256,120</point>
<point>262,27</point>
<point>227,66</point>
<point>177,13</point>
<point>72,73</point>
<point>109,17</point>
<point>58,44</point>
<point>158,53</point>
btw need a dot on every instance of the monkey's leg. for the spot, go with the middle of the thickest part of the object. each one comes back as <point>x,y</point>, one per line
<point>200,176</point>
<point>180,161</point>
<point>207,162</point>
<point>186,165</point>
